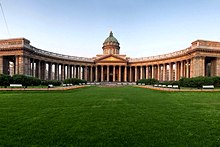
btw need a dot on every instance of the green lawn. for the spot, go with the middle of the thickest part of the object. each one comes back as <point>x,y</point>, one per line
<point>123,116</point>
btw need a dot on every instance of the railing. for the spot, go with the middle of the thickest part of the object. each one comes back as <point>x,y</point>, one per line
<point>75,58</point>
<point>169,55</point>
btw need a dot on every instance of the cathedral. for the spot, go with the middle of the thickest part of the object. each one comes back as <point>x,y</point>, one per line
<point>18,56</point>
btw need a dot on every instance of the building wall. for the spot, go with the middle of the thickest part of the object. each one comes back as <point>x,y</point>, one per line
<point>189,62</point>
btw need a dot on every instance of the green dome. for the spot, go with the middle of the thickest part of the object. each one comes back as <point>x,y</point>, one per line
<point>111,38</point>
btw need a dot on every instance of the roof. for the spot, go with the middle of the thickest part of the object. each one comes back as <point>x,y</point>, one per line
<point>111,38</point>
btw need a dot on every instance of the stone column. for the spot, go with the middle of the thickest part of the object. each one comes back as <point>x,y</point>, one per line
<point>119,73</point>
<point>170,72</point>
<point>130,78</point>
<point>113,73</point>
<point>56,74</point>
<point>43,70</point>
<point>62,72</point>
<point>80,72</point>
<point>187,68</point>
<point>19,65</point>
<point>74,71</point>
<point>135,79</point>
<point>39,70</point>
<point>108,73</point>
<point>176,71</point>
<point>102,73</point>
<point>125,74</point>
<point>141,72</point>
<point>152,72</point>
<point>96,73</point>
<point>147,72</point>
<point>71,71</point>
<point>91,74</point>
<point>32,69</point>
<point>181,69</point>
<point>1,65</point>
<point>49,71</point>
<point>191,69</point>
<point>158,71</point>
<point>86,73</point>
<point>68,71</point>
<point>164,72</point>
<point>27,65</point>
<point>217,67</point>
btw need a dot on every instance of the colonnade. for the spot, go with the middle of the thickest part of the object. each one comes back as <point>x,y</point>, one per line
<point>110,72</point>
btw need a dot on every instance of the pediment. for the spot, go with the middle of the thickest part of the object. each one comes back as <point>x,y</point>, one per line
<point>111,58</point>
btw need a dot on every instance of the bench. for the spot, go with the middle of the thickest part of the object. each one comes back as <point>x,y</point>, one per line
<point>16,85</point>
<point>50,86</point>
<point>176,87</point>
<point>208,87</point>
<point>169,86</point>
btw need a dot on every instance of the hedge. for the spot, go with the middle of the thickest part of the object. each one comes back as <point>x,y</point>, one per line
<point>148,81</point>
<point>169,83</point>
<point>198,82</point>
<point>5,80</point>
<point>53,82</point>
<point>74,81</point>
<point>25,80</point>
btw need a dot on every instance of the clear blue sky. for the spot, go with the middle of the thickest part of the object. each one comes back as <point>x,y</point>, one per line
<point>143,27</point>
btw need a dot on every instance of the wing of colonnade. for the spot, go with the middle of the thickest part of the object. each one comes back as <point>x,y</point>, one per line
<point>17,56</point>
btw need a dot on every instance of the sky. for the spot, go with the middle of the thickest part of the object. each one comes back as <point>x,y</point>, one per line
<point>143,27</point>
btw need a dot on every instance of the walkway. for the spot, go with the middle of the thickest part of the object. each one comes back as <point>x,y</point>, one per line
<point>41,89</point>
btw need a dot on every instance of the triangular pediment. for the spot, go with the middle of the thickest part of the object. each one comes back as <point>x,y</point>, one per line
<point>111,58</point>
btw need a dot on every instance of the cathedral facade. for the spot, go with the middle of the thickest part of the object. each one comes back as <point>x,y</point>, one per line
<point>18,56</point>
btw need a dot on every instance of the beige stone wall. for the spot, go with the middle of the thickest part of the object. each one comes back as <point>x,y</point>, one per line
<point>198,66</point>
<point>217,66</point>
<point>19,65</point>
<point>1,64</point>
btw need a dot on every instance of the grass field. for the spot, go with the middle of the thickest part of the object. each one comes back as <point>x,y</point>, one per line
<point>122,116</point>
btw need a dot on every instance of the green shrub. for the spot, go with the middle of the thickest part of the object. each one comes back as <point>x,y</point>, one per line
<point>147,81</point>
<point>216,81</point>
<point>169,83</point>
<point>5,80</point>
<point>196,82</point>
<point>74,81</point>
<point>53,82</point>
<point>25,80</point>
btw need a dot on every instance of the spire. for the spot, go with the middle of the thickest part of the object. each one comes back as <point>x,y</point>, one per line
<point>111,34</point>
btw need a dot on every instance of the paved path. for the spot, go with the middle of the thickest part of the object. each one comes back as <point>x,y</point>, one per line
<point>42,89</point>
<point>187,90</point>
